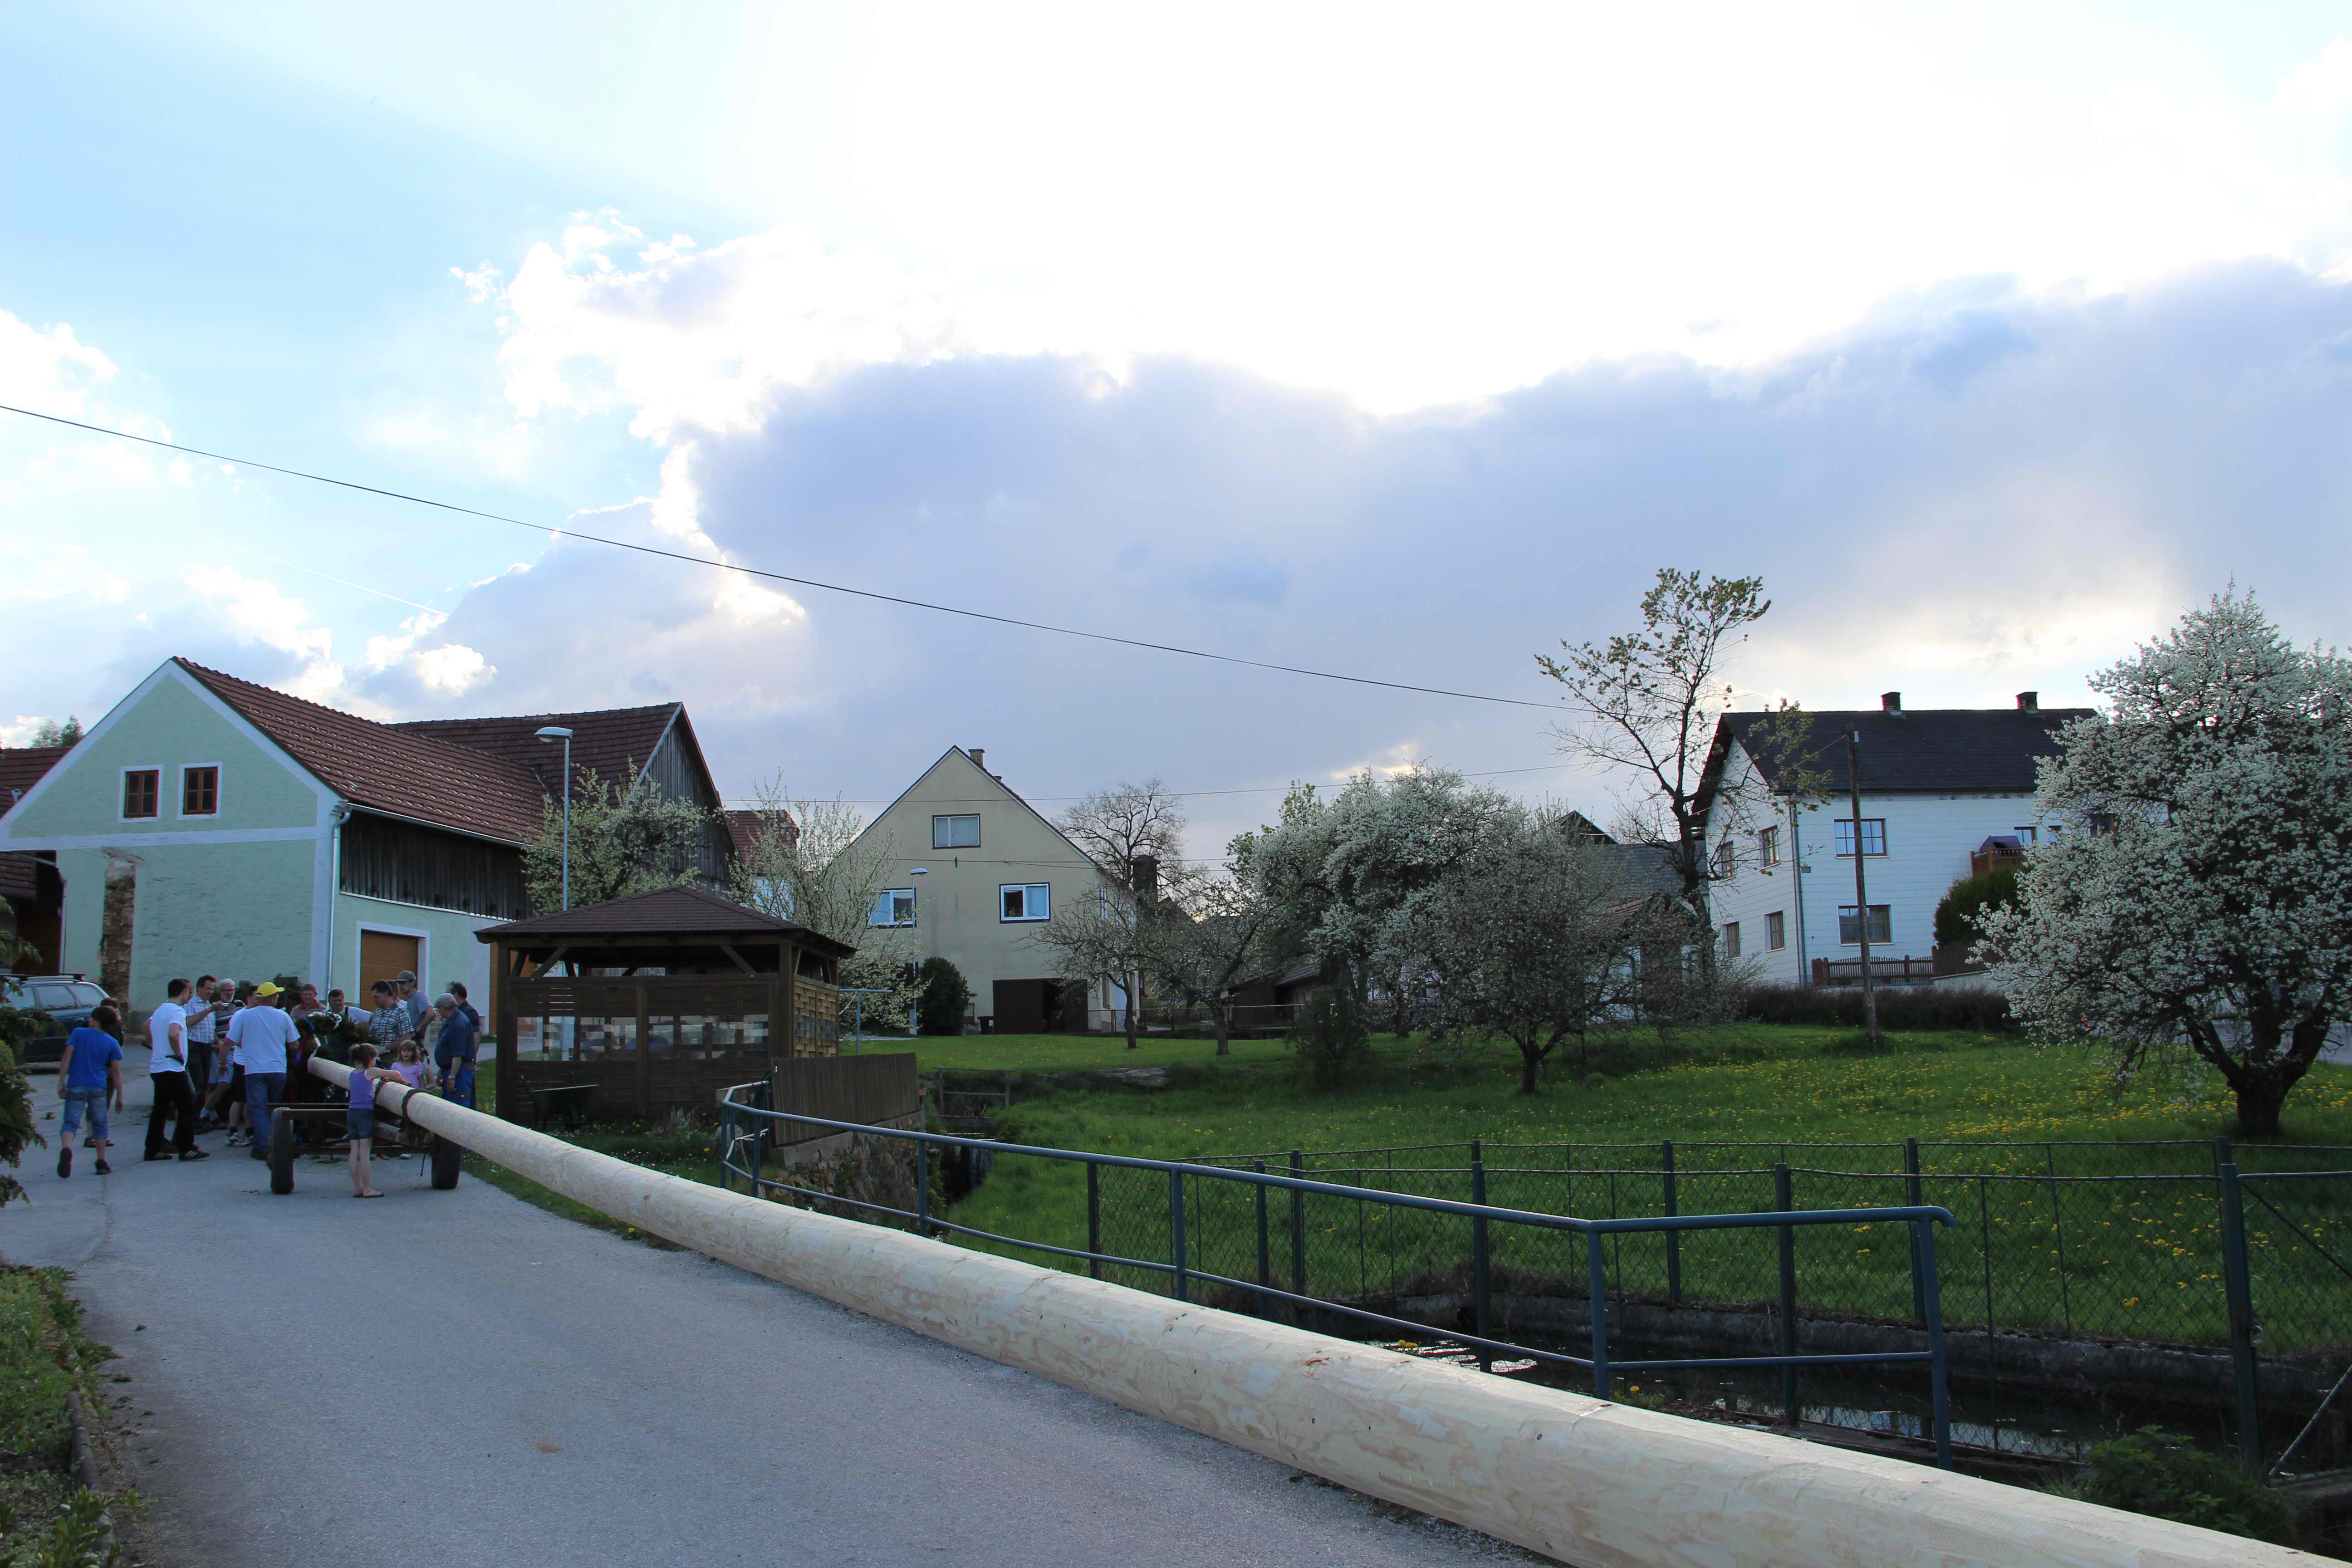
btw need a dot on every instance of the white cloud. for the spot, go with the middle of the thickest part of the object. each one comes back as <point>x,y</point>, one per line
<point>2321,88</point>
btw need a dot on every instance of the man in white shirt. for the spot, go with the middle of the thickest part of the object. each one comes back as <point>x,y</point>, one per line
<point>261,1034</point>
<point>167,1068</point>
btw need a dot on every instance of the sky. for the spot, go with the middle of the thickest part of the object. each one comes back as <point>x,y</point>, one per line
<point>1400,341</point>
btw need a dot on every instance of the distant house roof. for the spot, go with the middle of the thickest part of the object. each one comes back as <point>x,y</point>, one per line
<point>386,767</point>
<point>743,828</point>
<point>1987,750</point>
<point>22,767</point>
<point>617,742</point>
<point>679,911</point>
<point>20,876</point>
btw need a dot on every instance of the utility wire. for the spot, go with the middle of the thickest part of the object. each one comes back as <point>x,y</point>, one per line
<point>778,576</point>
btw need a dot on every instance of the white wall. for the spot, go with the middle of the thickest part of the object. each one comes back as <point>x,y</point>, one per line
<point>1929,839</point>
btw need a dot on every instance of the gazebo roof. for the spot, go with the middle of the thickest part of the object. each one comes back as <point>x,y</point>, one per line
<point>670,913</point>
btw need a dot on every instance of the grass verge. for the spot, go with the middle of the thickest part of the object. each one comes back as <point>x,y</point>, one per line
<point>43,1354</point>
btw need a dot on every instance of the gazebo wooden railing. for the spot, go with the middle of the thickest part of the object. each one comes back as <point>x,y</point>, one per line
<point>663,1000</point>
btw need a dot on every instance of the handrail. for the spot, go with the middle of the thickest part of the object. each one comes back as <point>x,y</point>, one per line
<point>1922,1218</point>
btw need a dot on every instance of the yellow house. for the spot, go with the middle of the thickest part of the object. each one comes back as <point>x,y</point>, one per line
<point>975,871</point>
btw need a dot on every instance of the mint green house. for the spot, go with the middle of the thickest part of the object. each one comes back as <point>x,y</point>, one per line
<point>210,826</point>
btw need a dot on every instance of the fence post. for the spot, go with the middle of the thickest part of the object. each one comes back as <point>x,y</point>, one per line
<point>2222,1154</point>
<point>1596,1284</point>
<point>1674,1238</point>
<point>759,1136</point>
<point>1911,1198</point>
<point>1176,1232</point>
<point>1298,1226</point>
<point>1265,1256</point>
<point>1784,1200</point>
<point>923,1187</point>
<point>1481,1283</point>
<point>2237,1285</point>
<point>1094,1219</point>
<point>1939,1387</point>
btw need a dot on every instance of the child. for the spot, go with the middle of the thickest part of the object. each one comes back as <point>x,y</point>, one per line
<point>412,1067</point>
<point>88,1074</point>
<point>360,1120</point>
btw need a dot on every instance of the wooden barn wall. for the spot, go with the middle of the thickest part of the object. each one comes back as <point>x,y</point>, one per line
<point>411,864</point>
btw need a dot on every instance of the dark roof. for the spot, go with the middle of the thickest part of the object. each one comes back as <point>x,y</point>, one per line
<point>20,876</point>
<point>1645,869</point>
<point>388,768</point>
<point>22,767</point>
<point>743,828</point>
<point>1927,750</point>
<point>682,910</point>
<point>617,742</point>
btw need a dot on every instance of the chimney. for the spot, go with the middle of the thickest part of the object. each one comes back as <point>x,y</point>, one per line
<point>979,757</point>
<point>2029,702</point>
<point>1891,704</point>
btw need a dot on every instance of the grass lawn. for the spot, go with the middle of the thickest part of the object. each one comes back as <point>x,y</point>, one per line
<point>43,1353</point>
<point>1072,1053</point>
<point>2137,1257</point>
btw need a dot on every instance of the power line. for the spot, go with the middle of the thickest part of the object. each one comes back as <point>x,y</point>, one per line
<point>778,576</point>
<point>1175,793</point>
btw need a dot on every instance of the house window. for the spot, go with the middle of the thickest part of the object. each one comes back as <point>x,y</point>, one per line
<point>2027,835</point>
<point>1882,925</point>
<point>200,791</point>
<point>1731,938</point>
<point>142,790</point>
<point>1768,847</point>
<point>1874,835</point>
<point>955,832</point>
<point>895,906</point>
<point>1776,931</point>
<point>1723,859</point>
<point>1025,902</point>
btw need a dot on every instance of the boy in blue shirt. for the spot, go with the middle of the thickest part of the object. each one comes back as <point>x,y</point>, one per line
<point>89,1075</point>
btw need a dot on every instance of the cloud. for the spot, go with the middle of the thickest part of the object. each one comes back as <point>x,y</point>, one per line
<point>1979,487</point>
<point>2321,88</point>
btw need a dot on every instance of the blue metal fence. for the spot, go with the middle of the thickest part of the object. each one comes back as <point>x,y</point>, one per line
<point>748,1122</point>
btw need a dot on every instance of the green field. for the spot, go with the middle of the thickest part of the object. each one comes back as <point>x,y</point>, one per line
<point>1072,1053</point>
<point>2137,1257</point>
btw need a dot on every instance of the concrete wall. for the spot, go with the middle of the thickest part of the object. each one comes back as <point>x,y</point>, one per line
<point>1581,1480</point>
<point>956,901</point>
<point>1928,841</point>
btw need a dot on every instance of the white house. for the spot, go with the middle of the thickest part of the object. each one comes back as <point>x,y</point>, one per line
<point>1939,786</point>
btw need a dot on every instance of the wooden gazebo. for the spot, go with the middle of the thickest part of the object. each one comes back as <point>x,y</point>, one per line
<point>663,998</point>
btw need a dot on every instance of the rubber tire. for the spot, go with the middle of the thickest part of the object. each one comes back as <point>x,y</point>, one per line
<point>281,1154</point>
<point>445,1157</point>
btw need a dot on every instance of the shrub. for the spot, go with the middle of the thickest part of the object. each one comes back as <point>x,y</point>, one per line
<point>1978,1007</point>
<point>1330,1038</point>
<point>942,997</point>
<point>1956,917</point>
<point>2163,1474</point>
<point>17,1029</point>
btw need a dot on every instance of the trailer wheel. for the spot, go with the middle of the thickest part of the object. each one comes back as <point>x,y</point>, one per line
<point>445,1157</point>
<point>281,1153</point>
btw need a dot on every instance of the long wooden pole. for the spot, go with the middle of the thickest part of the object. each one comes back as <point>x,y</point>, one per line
<point>1860,888</point>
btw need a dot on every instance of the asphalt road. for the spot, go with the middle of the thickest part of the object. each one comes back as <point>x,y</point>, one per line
<point>458,1378</point>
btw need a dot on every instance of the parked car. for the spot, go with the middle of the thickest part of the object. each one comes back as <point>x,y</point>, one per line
<point>66,998</point>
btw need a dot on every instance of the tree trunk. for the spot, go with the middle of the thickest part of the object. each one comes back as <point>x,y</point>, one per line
<point>2263,1076</point>
<point>1530,1058</point>
<point>1224,1029</point>
<point>2260,1096</point>
<point>1134,993</point>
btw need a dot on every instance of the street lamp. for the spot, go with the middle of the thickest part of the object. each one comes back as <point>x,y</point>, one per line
<point>558,732</point>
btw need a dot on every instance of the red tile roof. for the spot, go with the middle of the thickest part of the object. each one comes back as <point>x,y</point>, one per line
<point>386,767</point>
<point>743,828</point>
<point>22,767</point>
<point>680,910</point>
<point>618,743</point>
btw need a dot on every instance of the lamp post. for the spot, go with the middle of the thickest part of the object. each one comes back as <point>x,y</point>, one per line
<point>558,732</point>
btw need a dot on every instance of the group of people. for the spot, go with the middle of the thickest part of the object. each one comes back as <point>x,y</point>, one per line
<point>220,1053</point>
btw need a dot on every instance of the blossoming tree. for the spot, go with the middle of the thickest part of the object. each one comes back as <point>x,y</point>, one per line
<point>2202,896</point>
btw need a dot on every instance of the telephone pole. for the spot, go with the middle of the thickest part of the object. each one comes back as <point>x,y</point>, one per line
<point>1860,888</point>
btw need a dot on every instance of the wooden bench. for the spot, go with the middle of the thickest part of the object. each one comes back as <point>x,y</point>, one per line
<point>569,1101</point>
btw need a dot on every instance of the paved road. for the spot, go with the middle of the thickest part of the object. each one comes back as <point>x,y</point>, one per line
<point>459,1378</point>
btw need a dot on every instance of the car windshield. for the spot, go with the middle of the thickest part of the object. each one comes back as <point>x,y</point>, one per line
<point>54,995</point>
<point>86,994</point>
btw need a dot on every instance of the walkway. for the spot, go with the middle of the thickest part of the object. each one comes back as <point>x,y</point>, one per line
<point>459,1378</point>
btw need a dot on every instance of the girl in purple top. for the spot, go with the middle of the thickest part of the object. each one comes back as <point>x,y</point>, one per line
<point>360,1120</point>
